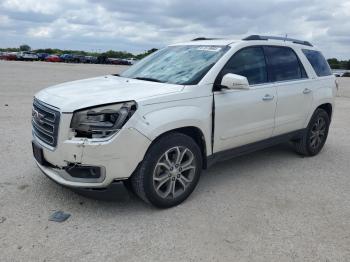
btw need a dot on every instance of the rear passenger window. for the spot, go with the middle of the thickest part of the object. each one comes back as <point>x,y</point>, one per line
<point>248,62</point>
<point>318,62</point>
<point>283,64</point>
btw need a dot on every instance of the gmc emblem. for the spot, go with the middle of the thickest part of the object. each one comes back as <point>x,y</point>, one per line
<point>38,117</point>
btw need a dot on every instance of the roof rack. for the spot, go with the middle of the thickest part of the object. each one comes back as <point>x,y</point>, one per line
<point>203,38</point>
<point>260,37</point>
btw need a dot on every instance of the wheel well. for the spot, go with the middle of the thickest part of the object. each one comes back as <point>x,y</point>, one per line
<point>197,135</point>
<point>328,108</point>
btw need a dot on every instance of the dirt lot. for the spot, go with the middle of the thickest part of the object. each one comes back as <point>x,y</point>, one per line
<point>271,205</point>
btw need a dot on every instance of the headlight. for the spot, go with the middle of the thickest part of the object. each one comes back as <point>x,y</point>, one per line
<point>103,121</point>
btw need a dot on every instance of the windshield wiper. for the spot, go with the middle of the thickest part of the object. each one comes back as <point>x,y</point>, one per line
<point>149,79</point>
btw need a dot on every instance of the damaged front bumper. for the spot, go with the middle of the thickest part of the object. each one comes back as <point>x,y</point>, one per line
<point>85,163</point>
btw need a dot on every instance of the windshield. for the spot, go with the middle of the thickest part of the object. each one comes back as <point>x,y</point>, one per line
<point>185,65</point>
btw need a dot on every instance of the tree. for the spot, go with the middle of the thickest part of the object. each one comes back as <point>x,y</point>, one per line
<point>140,56</point>
<point>334,63</point>
<point>25,48</point>
<point>118,54</point>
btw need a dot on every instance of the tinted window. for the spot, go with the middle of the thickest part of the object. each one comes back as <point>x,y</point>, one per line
<point>284,64</point>
<point>318,62</point>
<point>249,62</point>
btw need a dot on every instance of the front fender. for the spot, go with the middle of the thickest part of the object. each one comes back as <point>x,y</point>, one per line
<point>159,121</point>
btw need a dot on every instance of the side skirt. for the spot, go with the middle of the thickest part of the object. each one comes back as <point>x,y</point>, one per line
<point>246,149</point>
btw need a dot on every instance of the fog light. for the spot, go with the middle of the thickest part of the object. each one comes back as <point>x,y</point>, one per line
<point>93,173</point>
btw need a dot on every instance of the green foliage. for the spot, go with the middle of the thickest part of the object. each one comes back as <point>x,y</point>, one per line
<point>25,47</point>
<point>110,53</point>
<point>338,64</point>
<point>125,55</point>
<point>9,49</point>
<point>55,51</point>
<point>140,56</point>
<point>118,54</point>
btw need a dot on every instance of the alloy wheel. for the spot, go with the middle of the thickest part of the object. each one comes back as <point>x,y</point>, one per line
<point>174,172</point>
<point>318,133</point>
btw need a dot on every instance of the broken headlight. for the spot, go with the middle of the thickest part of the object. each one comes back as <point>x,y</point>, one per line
<point>102,121</point>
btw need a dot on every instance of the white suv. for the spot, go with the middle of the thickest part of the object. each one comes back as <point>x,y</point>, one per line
<point>179,110</point>
<point>27,56</point>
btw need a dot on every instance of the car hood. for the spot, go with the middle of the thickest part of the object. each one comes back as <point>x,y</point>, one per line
<point>71,96</point>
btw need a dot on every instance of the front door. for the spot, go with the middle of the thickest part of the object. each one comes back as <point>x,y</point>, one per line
<point>244,116</point>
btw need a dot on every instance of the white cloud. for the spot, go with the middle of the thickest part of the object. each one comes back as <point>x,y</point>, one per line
<point>45,7</point>
<point>140,24</point>
<point>4,21</point>
<point>40,32</point>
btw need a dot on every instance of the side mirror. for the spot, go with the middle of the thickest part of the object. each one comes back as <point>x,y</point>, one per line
<point>233,81</point>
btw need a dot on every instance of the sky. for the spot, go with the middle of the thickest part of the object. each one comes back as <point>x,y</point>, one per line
<point>138,25</point>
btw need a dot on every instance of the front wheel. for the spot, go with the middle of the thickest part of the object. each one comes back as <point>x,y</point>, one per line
<point>169,172</point>
<point>315,136</point>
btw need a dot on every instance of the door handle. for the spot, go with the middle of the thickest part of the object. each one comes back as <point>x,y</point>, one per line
<point>307,91</point>
<point>267,97</point>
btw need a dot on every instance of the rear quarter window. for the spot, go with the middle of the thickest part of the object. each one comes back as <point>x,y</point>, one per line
<point>284,65</point>
<point>318,62</point>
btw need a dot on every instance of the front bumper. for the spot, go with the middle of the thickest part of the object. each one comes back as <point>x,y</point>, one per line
<point>117,157</point>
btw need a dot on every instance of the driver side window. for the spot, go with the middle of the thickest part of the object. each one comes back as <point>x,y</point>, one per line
<point>249,62</point>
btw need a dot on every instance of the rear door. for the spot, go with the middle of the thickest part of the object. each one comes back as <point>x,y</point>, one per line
<point>294,88</point>
<point>244,116</point>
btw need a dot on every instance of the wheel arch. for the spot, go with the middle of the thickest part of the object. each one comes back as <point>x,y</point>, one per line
<point>328,108</point>
<point>195,133</point>
<point>325,105</point>
<point>193,120</point>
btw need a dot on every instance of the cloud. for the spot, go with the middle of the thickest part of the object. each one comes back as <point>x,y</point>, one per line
<point>40,32</point>
<point>136,25</point>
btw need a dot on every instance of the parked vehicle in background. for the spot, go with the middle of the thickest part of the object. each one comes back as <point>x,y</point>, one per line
<point>131,61</point>
<point>79,59</point>
<point>113,61</point>
<point>117,61</point>
<point>27,56</point>
<point>102,59</point>
<point>67,58</point>
<point>179,110</point>
<point>91,59</point>
<point>53,58</point>
<point>9,56</point>
<point>341,72</point>
<point>42,56</point>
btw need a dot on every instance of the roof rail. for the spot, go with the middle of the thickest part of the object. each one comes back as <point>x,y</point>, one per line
<point>203,38</point>
<point>260,37</point>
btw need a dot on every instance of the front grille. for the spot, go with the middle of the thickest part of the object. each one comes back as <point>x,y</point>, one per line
<point>45,123</point>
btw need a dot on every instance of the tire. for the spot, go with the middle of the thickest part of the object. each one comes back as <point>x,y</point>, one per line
<point>315,136</point>
<point>160,178</point>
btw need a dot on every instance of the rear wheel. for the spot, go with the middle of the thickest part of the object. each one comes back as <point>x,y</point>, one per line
<point>169,172</point>
<point>315,136</point>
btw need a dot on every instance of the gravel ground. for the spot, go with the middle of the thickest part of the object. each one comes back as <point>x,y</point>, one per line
<point>271,205</point>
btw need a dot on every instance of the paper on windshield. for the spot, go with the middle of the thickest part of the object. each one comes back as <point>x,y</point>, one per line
<point>209,48</point>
